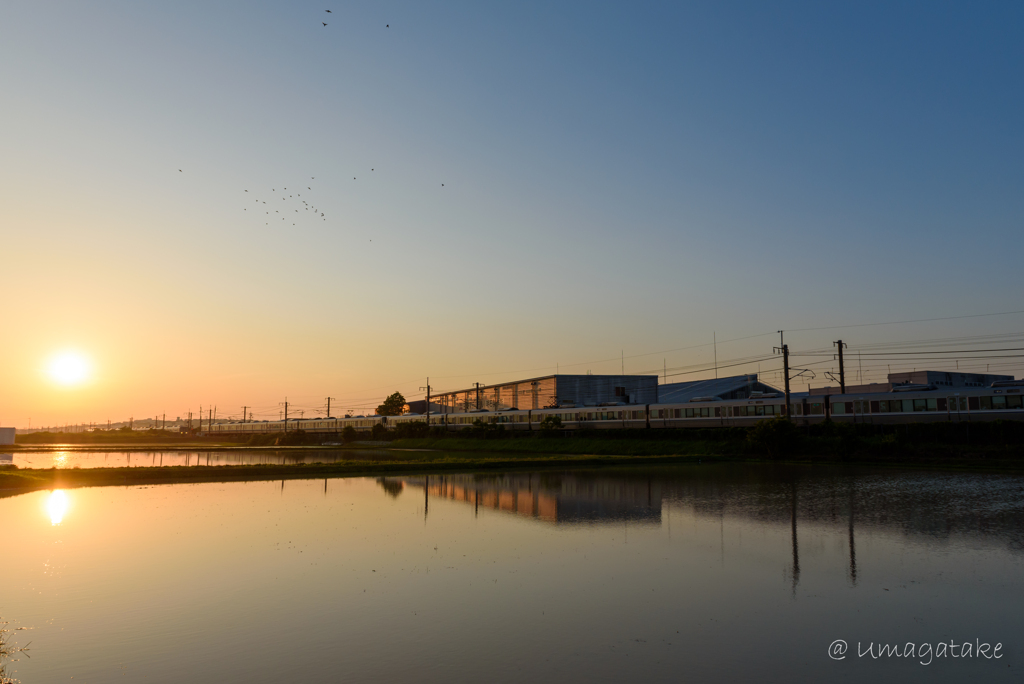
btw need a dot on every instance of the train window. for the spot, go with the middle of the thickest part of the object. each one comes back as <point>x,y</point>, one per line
<point>998,402</point>
<point>1014,402</point>
<point>839,408</point>
<point>986,403</point>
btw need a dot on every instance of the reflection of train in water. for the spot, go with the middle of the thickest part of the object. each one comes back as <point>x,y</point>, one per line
<point>902,404</point>
<point>549,497</point>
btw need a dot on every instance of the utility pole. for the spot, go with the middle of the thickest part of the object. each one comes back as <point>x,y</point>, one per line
<point>428,401</point>
<point>209,422</point>
<point>714,341</point>
<point>329,406</point>
<point>784,349</point>
<point>286,414</point>
<point>477,395</point>
<point>243,413</point>
<point>200,418</point>
<point>165,422</point>
<point>842,373</point>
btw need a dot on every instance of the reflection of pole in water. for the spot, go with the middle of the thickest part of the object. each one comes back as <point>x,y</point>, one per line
<point>426,498</point>
<point>325,486</point>
<point>476,503</point>
<point>853,550</point>
<point>282,486</point>
<point>796,551</point>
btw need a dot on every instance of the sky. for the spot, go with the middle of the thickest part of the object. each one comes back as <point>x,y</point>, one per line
<point>500,190</point>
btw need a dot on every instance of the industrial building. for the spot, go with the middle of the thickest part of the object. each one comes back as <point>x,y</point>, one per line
<point>6,435</point>
<point>938,379</point>
<point>549,391</point>
<point>725,389</point>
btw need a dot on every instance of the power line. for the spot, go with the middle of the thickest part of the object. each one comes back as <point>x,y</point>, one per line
<point>918,320</point>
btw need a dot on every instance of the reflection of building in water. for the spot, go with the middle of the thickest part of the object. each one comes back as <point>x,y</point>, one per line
<point>551,498</point>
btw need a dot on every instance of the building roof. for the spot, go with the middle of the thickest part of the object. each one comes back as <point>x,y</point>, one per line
<point>679,392</point>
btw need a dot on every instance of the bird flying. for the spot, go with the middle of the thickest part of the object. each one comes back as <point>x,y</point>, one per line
<point>324,23</point>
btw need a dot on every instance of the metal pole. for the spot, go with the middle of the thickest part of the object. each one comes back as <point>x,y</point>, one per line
<point>842,371</point>
<point>785,366</point>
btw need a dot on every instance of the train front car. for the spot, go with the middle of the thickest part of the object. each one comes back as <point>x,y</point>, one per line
<point>929,404</point>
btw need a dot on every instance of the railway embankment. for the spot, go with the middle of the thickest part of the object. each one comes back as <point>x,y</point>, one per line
<point>983,444</point>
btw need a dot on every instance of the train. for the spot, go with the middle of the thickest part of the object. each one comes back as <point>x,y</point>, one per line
<point>1002,400</point>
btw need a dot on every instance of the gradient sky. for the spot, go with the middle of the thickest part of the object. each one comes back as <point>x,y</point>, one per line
<point>618,178</point>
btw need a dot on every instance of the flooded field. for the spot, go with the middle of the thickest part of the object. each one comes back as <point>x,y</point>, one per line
<point>708,573</point>
<point>72,458</point>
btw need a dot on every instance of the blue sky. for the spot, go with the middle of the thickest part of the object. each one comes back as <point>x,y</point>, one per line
<point>629,176</point>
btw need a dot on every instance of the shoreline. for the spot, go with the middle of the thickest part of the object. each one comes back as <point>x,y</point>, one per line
<point>14,480</point>
<point>23,480</point>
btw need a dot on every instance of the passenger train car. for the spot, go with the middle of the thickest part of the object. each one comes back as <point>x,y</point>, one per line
<point>904,404</point>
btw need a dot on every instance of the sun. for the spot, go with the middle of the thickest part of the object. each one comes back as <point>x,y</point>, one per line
<point>69,368</point>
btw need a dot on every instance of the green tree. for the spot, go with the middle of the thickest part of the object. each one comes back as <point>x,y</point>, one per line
<point>348,434</point>
<point>551,422</point>
<point>392,406</point>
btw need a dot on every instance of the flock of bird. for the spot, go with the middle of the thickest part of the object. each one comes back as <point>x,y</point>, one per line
<point>261,204</point>
<point>295,195</point>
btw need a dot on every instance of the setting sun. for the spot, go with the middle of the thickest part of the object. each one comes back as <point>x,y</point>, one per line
<point>69,369</point>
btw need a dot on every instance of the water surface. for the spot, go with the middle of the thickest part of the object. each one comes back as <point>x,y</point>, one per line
<point>126,458</point>
<point>720,572</point>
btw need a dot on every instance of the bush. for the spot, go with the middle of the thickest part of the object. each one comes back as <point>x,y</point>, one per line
<point>777,437</point>
<point>378,432</point>
<point>348,434</point>
<point>551,423</point>
<point>296,438</point>
<point>417,428</point>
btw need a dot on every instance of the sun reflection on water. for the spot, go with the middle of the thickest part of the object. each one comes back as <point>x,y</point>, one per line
<point>57,505</point>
